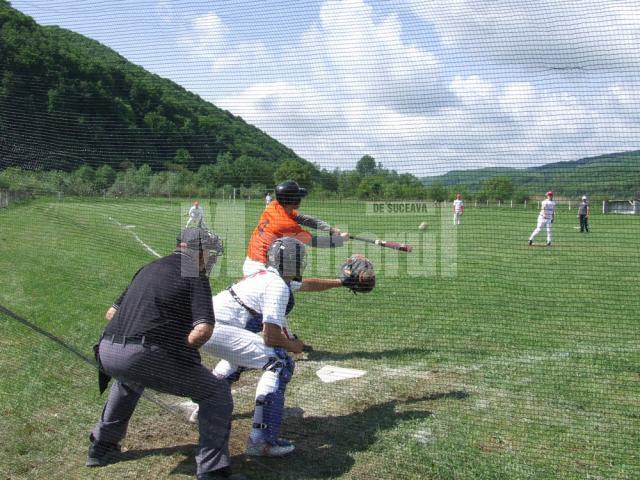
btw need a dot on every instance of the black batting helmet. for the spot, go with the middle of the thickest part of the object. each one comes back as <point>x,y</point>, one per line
<point>290,193</point>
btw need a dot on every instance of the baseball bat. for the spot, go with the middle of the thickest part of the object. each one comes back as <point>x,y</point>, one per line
<point>403,247</point>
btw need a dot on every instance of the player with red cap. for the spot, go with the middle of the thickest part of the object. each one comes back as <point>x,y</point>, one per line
<point>545,218</point>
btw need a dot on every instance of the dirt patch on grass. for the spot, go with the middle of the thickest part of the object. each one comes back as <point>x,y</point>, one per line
<point>329,423</point>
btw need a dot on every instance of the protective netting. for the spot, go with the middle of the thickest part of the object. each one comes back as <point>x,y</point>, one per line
<point>501,339</point>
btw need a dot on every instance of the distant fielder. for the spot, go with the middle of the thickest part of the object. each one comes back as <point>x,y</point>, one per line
<point>584,212</point>
<point>545,218</point>
<point>458,209</point>
<point>196,216</point>
<point>260,303</point>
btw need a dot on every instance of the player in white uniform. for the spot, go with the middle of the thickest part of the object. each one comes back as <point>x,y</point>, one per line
<point>545,218</point>
<point>260,303</point>
<point>196,216</point>
<point>458,209</point>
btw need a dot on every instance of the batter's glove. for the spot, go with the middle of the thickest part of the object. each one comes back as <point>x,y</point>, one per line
<point>357,274</point>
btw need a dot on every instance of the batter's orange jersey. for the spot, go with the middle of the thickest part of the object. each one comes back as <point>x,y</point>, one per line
<point>274,223</point>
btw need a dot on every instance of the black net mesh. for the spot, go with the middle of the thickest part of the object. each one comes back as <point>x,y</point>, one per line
<point>501,338</point>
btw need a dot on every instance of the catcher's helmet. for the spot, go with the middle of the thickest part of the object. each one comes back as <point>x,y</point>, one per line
<point>198,240</point>
<point>288,256</point>
<point>290,193</point>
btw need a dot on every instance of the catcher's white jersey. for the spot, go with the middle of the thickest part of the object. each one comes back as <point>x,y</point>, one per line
<point>265,292</point>
<point>547,208</point>
<point>457,205</point>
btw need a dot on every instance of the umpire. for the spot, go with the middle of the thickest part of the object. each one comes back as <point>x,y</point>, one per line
<point>152,339</point>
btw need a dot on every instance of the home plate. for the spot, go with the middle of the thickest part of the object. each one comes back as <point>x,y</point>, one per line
<point>329,374</point>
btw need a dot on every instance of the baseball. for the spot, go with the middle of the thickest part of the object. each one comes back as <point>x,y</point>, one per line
<point>422,226</point>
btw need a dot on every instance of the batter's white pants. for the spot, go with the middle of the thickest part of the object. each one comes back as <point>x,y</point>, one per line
<point>542,222</point>
<point>457,217</point>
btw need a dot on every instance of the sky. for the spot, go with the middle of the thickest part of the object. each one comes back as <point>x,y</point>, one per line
<point>424,86</point>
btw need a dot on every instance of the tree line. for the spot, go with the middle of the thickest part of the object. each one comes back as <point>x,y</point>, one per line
<point>246,177</point>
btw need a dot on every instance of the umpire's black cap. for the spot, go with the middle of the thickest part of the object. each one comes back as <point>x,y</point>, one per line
<point>290,193</point>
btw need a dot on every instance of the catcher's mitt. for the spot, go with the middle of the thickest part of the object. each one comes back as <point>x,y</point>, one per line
<point>357,274</point>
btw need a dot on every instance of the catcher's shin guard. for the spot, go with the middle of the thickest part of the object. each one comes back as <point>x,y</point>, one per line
<point>270,406</point>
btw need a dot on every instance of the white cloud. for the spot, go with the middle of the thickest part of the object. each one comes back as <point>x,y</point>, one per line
<point>355,85</point>
<point>626,98</point>
<point>206,37</point>
<point>561,34</point>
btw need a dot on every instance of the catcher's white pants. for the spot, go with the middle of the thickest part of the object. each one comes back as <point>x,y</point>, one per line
<point>457,216</point>
<point>542,222</point>
<point>239,347</point>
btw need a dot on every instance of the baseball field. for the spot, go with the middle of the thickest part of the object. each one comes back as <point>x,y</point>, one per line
<point>484,357</point>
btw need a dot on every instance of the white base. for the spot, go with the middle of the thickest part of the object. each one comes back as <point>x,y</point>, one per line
<point>329,374</point>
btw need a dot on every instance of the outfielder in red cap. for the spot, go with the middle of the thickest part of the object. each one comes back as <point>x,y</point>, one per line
<point>545,218</point>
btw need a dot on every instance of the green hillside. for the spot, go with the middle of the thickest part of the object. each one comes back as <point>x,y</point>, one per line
<point>66,100</point>
<point>615,174</point>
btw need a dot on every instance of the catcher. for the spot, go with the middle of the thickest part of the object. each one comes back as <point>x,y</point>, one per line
<point>261,303</point>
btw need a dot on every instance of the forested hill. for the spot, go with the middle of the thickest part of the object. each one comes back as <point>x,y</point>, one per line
<point>66,100</point>
<point>613,174</point>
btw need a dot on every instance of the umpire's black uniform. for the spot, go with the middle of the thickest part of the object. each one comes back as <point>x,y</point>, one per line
<point>144,345</point>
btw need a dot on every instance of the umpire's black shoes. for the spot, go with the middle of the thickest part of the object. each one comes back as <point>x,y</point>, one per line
<point>221,474</point>
<point>101,454</point>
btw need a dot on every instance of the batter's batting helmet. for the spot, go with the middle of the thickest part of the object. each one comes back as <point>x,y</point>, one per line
<point>290,193</point>
<point>549,193</point>
<point>288,256</point>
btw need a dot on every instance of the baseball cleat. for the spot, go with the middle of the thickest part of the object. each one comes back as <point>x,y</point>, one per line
<point>548,244</point>
<point>264,449</point>
<point>100,455</point>
<point>530,242</point>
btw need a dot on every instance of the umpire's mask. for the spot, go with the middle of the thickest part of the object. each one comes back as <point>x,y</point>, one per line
<point>202,248</point>
<point>289,256</point>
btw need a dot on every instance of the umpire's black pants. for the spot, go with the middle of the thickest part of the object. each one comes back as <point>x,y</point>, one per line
<point>137,366</point>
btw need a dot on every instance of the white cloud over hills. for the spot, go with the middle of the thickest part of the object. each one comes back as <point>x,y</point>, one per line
<point>507,83</point>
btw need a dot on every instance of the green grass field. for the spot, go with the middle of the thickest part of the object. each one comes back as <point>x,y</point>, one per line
<point>485,358</point>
